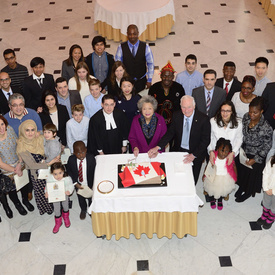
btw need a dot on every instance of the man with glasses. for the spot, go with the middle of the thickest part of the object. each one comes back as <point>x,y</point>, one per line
<point>5,92</point>
<point>16,71</point>
<point>18,113</point>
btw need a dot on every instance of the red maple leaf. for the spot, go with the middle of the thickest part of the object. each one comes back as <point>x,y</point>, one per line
<point>142,171</point>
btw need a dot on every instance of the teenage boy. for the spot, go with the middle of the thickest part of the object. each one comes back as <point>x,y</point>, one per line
<point>92,102</point>
<point>37,83</point>
<point>81,167</point>
<point>228,82</point>
<point>77,126</point>
<point>261,67</point>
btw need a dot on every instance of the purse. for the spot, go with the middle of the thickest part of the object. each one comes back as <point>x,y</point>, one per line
<point>6,184</point>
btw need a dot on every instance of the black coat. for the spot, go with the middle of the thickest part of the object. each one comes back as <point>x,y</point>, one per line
<point>235,87</point>
<point>4,104</point>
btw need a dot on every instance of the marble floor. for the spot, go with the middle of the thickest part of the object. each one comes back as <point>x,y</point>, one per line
<point>228,241</point>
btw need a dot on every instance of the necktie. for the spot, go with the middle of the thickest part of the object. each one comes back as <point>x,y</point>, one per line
<point>226,87</point>
<point>133,51</point>
<point>39,82</point>
<point>208,102</point>
<point>80,174</point>
<point>8,94</point>
<point>185,134</point>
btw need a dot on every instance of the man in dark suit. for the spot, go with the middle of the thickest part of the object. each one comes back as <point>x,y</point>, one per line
<point>269,96</point>
<point>209,97</point>
<point>5,92</point>
<point>229,82</point>
<point>99,62</point>
<point>190,130</point>
<point>66,97</point>
<point>35,84</point>
<point>79,162</point>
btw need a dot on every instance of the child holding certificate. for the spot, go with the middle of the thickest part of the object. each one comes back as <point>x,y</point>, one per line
<point>223,182</point>
<point>58,174</point>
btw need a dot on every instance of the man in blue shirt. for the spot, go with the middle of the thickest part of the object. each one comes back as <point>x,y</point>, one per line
<point>138,59</point>
<point>190,78</point>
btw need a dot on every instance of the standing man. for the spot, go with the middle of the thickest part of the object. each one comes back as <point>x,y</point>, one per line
<point>137,58</point>
<point>229,82</point>
<point>37,83</point>
<point>16,71</point>
<point>66,97</point>
<point>167,93</point>
<point>269,96</point>
<point>99,62</point>
<point>5,92</point>
<point>261,67</point>
<point>190,79</point>
<point>209,97</point>
<point>190,130</point>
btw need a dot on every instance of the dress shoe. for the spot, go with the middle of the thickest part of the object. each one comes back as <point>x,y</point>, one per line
<point>30,196</point>
<point>82,215</point>
<point>22,211</point>
<point>8,211</point>
<point>226,198</point>
<point>213,204</point>
<point>238,193</point>
<point>242,198</point>
<point>29,206</point>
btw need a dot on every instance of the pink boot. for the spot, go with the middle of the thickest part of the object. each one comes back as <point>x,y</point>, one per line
<point>65,216</point>
<point>58,223</point>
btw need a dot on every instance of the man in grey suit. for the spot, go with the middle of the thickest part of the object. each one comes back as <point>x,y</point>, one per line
<point>66,97</point>
<point>209,97</point>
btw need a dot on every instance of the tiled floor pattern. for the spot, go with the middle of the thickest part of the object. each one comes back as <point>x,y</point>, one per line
<point>228,241</point>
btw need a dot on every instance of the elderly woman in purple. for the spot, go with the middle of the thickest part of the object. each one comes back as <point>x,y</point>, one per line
<point>148,127</point>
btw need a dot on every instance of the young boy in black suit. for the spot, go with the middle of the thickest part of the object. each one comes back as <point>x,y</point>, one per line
<point>81,167</point>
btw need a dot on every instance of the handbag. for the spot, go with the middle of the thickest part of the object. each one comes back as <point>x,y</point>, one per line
<point>6,184</point>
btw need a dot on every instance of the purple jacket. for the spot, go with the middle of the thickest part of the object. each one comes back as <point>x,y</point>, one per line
<point>137,138</point>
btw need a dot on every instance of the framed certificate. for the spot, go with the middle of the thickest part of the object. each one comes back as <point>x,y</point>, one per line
<point>56,191</point>
<point>21,181</point>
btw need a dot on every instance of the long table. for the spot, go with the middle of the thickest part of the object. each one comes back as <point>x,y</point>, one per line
<point>163,210</point>
<point>154,18</point>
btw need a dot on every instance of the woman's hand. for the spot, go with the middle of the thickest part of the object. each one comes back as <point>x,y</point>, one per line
<point>39,110</point>
<point>269,192</point>
<point>56,159</point>
<point>250,162</point>
<point>68,193</point>
<point>136,152</point>
<point>212,157</point>
<point>152,153</point>
<point>230,157</point>
<point>17,170</point>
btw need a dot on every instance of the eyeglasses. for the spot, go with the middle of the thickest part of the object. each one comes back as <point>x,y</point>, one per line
<point>226,111</point>
<point>18,105</point>
<point>9,58</point>
<point>3,80</point>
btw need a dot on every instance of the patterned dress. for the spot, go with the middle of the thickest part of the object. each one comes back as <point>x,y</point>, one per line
<point>39,189</point>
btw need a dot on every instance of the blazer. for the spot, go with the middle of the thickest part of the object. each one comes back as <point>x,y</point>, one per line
<point>67,71</point>
<point>110,61</point>
<point>235,87</point>
<point>219,96</point>
<point>199,138</point>
<point>269,96</point>
<point>63,117</point>
<point>4,104</point>
<point>72,168</point>
<point>33,93</point>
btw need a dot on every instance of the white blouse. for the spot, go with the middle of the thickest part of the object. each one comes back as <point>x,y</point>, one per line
<point>235,135</point>
<point>241,107</point>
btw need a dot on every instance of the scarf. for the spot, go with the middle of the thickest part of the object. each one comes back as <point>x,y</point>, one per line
<point>148,129</point>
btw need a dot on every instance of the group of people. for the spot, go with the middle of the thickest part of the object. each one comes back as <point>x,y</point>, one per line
<point>95,108</point>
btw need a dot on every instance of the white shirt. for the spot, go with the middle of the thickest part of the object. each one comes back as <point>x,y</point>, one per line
<point>110,122</point>
<point>54,119</point>
<point>241,107</point>
<point>84,171</point>
<point>235,135</point>
<point>220,165</point>
<point>229,84</point>
<point>35,77</point>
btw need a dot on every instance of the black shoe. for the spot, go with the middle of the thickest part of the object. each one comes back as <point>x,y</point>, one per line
<point>0,219</point>
<point>260,221</point>
<point>267,225</point>
<point>22,211</point>
<point>29,206</point>
<point>8,211</point>
<point>238,193</point>
<point>207,198</point>
<point>242,198</point>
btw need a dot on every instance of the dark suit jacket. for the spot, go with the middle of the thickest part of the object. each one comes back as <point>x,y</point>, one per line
<point>235,87</point>
<point>33,93</point>
<point>72,168</point>
<point>110,61</point>
<point>4,104</point>
<point>199,137</point>
<point>63,117</point>
<point>75,97</point>
<point>269,96</point>
<point>219,96</point>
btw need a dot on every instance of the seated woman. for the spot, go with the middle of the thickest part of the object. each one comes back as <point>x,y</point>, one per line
<point>148,127</point>
<point>80,80</point>
<point>30,148</point>
<point>257,141</point>
<point>10,165</point>
<point>54,113</point>
<point>113,84</point>
<point>127,99</point>
<point>69,65</point>
<point>242,99</point>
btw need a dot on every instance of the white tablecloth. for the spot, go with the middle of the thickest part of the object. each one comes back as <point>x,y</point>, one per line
<point>121,13</point>
<point>179,195</point>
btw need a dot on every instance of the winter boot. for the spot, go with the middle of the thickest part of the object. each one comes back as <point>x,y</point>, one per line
<point>66,219</point>
<point>58,223</point>
<point>269,221</point>
<point>264,216</point>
